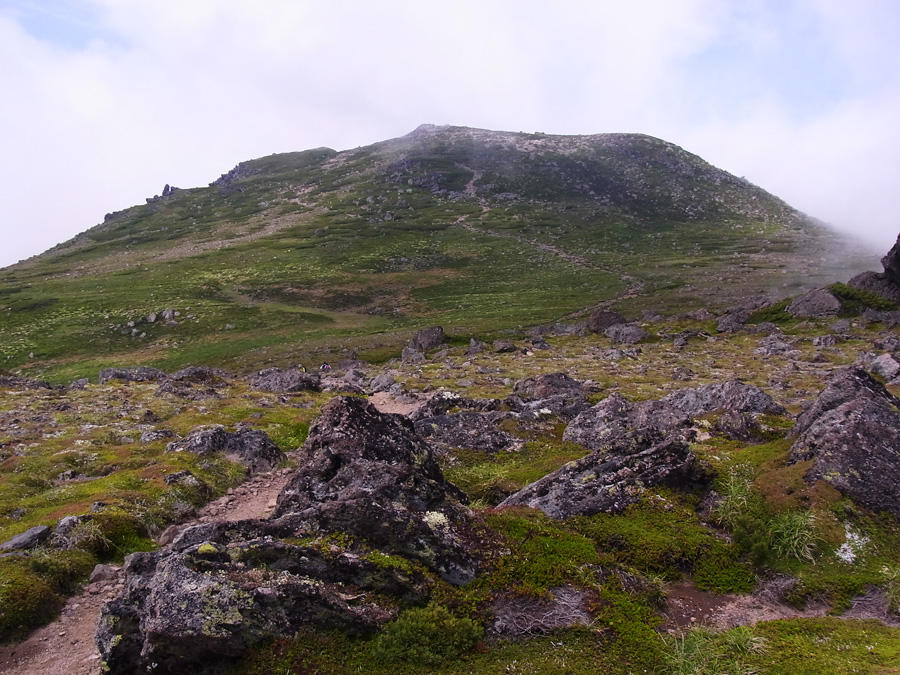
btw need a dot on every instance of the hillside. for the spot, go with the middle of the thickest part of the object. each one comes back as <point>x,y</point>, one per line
<point>302,255</point>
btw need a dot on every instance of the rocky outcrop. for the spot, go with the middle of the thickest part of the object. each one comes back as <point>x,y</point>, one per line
<point>601,319</point>
<point>611,423</point>
<point>251,447</point>
<point>819,303</point>
<point>733,396</point>
<point>608,482</point>
<point>15,383</point>
<point>851,433</point>
<point>140,374</point>
<point>288,381</point>
<point>367,490</point>
<point>887,283</point>
<point>369,475</point>
<point>626,333</point>
<point>554,392</point>
<point>470,430</point>
<point>426,339</point>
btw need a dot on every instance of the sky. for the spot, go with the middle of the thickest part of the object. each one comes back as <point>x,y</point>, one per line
<point>103,102</point>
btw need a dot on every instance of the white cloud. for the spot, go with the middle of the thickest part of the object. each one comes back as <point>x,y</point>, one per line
<point>139,94</point>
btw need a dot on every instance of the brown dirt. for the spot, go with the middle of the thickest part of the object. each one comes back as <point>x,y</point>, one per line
<point>66,646</point>
<point>386,403</point>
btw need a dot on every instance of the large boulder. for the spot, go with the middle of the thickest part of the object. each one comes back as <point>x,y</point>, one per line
<point>427,338</point>
<point>818,303</point>
<point>612,421</point>
<point>851,432</point>
<point>732,396</point>
<point>608,482</point>
<point>601,319</point>
<point>887,283</point>
<point>368,474</point>
<point>287,381</point>
<point>626,333</point>
<point>27,540</point>
<point>554,392</point>
<point>224,587</point>
<point>471,430</point>
<point>251,447</point>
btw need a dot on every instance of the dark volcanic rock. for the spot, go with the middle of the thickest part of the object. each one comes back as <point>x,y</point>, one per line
<point>556,392</point>
<point>601,319</point>
<point>732,395</point>
<point>427,338</point>
<point>201,375</point>
<point>199,604</point>
<point>856,448</point>
<point>846,384</point>
<point>626,333</point>
<point>141,374</point>
<point>818,303</point>
<point>887,283</point>
<point>473,430</point>
<point>27,540</point>
<point>370,475</point>
<point>22,383</point>
<point>610,423</point>
<point>281,381</point>
<point>251,447</point>
<point>733,322</point>
<point>504,346</point>
<point>608,482</point>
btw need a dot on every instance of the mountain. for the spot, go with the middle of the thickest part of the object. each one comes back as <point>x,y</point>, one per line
<point>304,254</point>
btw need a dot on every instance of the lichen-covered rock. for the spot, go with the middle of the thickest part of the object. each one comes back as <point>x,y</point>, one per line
<point>818,303</point>
<point>141,374</point>
<point>626,333</point>
<point>288,381</point>
<point>504,346</point>
<point>733,395</point>
<point>608,482</point>
<point>427,338</point>
<point>229,586</point>
<point>13,382</point>
<point>370,475</point>
<point>610,421</point>
<point>885,366</point>
<point>251,447</point>
<point>472,430</point>
<point>201,375</point>
<point>846,384</point>
<point>855,447</point>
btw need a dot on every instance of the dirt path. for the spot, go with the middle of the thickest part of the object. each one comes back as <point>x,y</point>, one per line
<point>66,646</point>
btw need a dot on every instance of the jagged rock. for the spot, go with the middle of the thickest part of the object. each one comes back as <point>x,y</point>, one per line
<point>732,396</point>
<point>80,383</point>
<point>846,384</point>
<point>825,340</point>
<point>444,401</point>
<point>427,338</point>
<point>885,366</point>
<point>891,319</point>
<point>471,430</point>
<point>739,427</point>
<point>140,374</point>
<point>475,347</point>
<point>608,424</point>
<point>186,389</point>
<point>601,319</point>
<point>888,343</point>
<point>370,475</point>
<point>626,333</point>
<point>540,343</point>
<point>556,392</point>
<point>381,382</point>
<point>411,355</point>
<point>818,303</point>
<point>609,481</point>
<point>887,283</point>
<point>281,381</point>
<point>855,447</point>
<point>504,347</point>
<point>251,447</point>
<point>27,540</point>
<point>241,585</point>
<point>733,321</point>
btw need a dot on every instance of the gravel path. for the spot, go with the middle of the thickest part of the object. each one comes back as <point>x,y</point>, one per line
<point>66,646</point>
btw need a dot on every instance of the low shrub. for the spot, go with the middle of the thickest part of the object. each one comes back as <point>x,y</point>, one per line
<point>428,636</point>
<point>26,600</point>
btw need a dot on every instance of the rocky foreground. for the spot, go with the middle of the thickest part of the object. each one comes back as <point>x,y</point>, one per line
<point>367,522</point>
